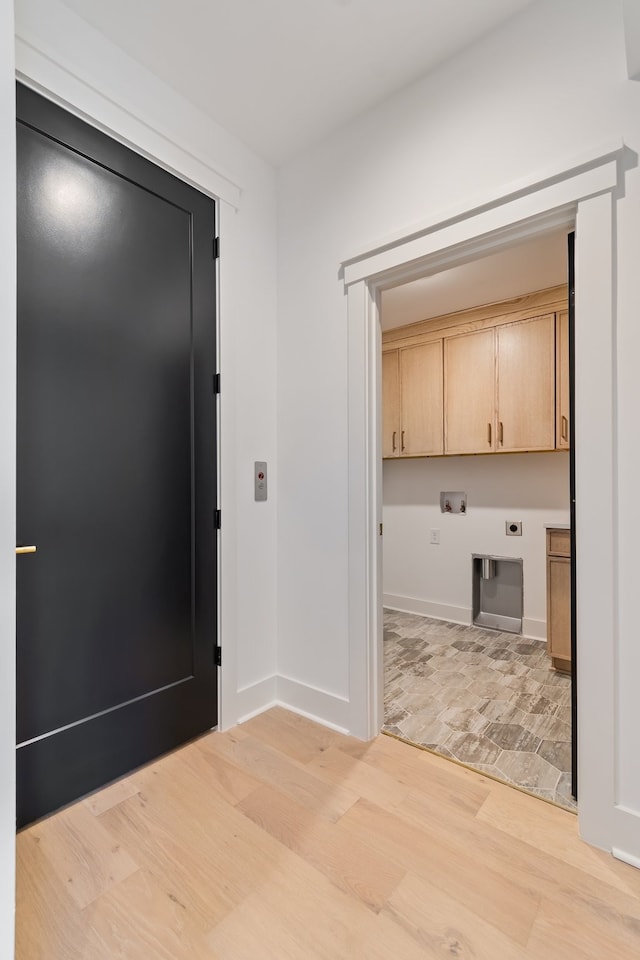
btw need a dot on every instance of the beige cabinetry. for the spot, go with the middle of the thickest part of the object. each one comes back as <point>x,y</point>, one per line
<point>421,400</point>
<point>469,398</point>
<point>412,401</point>
<point>390,404</point>
<point>559,598</point>
<point>562,380</point>
<point>526,385</point>
<point>500,388</point>
<point>490,380</point>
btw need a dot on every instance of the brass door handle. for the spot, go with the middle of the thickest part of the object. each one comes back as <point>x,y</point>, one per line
<point>402,442</point>
<point>489,434</point>
<point>393,442</point>
<point>565,428</point>
<point>31,549</point>
<point>501,433</point>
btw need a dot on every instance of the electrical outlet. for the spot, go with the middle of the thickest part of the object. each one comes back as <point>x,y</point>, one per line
<point>434,536</point>
<point>513,528</point>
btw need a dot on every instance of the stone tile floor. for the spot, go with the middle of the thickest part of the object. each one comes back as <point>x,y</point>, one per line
<point>486,698</point>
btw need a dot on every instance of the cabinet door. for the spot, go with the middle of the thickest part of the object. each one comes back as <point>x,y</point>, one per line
<point>421,399</point>
<point>559,609</point>
<point>469,362</point>
<point>390,404</point>
<point>562,380</point>
<point>526,384</point>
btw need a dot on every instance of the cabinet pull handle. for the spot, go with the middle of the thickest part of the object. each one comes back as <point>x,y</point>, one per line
<point>501,433</point>
<point>402,441</point>
<point>489,434</point>
<point>393,442</point>
<point>565,428</point>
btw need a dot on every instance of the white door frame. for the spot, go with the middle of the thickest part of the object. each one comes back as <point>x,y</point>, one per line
<point>582,191</point>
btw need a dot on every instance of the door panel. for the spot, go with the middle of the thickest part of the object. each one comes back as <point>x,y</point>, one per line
<point>470,393</point>
<point>559,612</point>
<point>526,385</point>
<point>421,399</point>
<point>116,459</point>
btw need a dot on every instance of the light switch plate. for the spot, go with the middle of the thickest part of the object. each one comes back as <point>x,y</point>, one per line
<point>260,479</point>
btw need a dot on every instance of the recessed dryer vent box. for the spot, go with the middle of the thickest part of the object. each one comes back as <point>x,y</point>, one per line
<point>453,502</point>
<point>497,593</point>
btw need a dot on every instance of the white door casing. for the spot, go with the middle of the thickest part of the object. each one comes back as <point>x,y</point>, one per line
<point>581,191</point>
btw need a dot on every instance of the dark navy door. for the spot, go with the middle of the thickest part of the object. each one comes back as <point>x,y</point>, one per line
<point>116,608</point>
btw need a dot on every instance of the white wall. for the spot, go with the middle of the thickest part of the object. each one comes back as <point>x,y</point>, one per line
<point>550,83</point>
<point>435,580</point>
<point>7,481</point>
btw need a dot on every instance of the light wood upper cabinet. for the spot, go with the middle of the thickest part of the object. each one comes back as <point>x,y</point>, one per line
<point>390,404</point>
<point>469,393</point>
<point>493,379</point>
<point>562,380</point>
<point>526,385</point>
<point>421,400</point>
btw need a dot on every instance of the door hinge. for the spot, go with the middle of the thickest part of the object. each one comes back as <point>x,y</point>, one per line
<point>217,656</point>
<point>216,383</point>
<point>216,248</point>
<point>217,519</point>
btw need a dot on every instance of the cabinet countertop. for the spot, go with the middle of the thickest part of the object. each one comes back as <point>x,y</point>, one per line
<point>557,526</point>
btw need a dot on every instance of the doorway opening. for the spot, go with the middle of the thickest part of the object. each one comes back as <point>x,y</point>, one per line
<point>476,511</point>
<point>581,191</point>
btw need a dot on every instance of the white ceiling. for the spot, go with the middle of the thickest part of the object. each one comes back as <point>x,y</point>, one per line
<point>281,74</point>
<point>522,268</point>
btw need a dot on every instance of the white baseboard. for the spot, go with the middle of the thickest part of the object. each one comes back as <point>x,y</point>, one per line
<point>531,629</point>
<point>256,698</point>
<point>534,629</point>
<point>428,608</point>
<point>629,858</point>
<point>318,705</point>
<point>325,708</point>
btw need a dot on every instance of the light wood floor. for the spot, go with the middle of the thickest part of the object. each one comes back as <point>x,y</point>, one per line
<point>282,839</point>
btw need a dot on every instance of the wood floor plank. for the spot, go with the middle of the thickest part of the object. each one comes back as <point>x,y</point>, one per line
<point>443,924</point>
<point>141,918</point>
<point>213,772</point>
<point>81,852</point>
<point>289,733</point>
<point>49,923</point>
<point>232,849</point>
<point>351,865</point>
<point>518,861</point>
<point>291,778</point>
<point>510,908</point>
<point>582,934</point>
<point>363,779</point>
<point>104,799</point>
<point>209,855</point>
<point>300,915</point>
<point>551,829</point>
<point>421,770</point>
<point>193,880</point>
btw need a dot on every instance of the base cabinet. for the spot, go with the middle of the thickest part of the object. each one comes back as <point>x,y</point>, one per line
<point>559,598</point>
